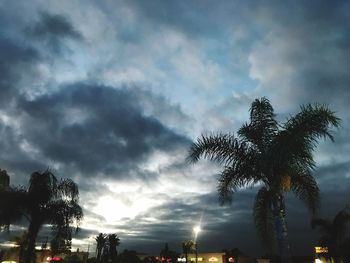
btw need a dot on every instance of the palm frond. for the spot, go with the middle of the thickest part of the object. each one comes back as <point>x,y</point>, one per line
<point>244,170</point>
<point>263,218</point>
<point>113,240</point>
<point>220,148</point>
<point>305,188</point>
<point>300,134</point>
<point>313,121</point>
<point>228,183</point>
<point>288,150</point>
<point>262,127</point>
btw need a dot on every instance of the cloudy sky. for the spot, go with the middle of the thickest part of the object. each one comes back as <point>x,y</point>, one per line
<point>112,93</point>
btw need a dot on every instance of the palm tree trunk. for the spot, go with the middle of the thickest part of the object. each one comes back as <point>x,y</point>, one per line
<point>281,230</point>
<point>33,231</point>
<point>99,250</point>
<point>113,254</point>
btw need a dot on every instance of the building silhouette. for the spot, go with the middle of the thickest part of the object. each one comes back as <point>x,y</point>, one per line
<point>4,180</point>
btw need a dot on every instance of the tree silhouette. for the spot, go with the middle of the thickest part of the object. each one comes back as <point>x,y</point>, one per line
<point>45,201</point>
<point>113,241</point>
<point>188,246</point>
<point>276,156</point>
<point>333,233</point>
<point>101,240</point>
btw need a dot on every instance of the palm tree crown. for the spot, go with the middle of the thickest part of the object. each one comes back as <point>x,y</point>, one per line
<point>113,241</point>
<point>45,201</point>
<point>278,157</point>
<point>101,240</point>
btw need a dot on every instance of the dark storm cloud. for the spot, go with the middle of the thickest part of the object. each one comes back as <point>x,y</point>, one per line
<point>53,29</point>
<point>14,62</point>
<point>54,25</point>
<point>96,129</point>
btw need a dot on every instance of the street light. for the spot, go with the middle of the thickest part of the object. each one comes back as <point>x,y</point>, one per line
<point>196,230</point>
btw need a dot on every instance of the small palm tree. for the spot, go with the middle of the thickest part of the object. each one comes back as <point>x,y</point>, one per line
<point>276,157</point>
<point>188,246</point>
<point>333,233</point>
<point>101,240</point>
<point>45,201</point>
<point>113,241</point>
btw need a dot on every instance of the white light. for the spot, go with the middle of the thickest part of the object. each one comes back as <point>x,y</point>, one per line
<point>196,230</point>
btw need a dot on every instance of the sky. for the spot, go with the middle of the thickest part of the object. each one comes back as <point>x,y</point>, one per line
<point>112,93</point>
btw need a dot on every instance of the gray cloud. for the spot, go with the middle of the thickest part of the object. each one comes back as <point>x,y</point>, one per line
<point>14,61</point>
<point>53,30</point>
<point>95,129</point>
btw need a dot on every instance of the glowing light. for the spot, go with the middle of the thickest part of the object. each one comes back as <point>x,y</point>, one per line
<point>114,208</point>
<point>213,259</point>
<point>319,250</point>
<point>196,230</point>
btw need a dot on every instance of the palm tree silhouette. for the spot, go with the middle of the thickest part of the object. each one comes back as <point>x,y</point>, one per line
<point>113,241</point>
<point>277,157</point>
<point>333,233</point>
<point>188,246</point>
<point>101,240</point>
<point>45,201</point>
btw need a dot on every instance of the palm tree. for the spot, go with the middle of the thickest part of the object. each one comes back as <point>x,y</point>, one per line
<point>101,240</point>
<point>45,201</point>
<point>333,233</point>
<point>277,157</point>
<point>113,241</point>
<point>188,246</point>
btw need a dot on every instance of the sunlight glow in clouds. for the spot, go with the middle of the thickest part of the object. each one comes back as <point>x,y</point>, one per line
<point>113,209</point>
